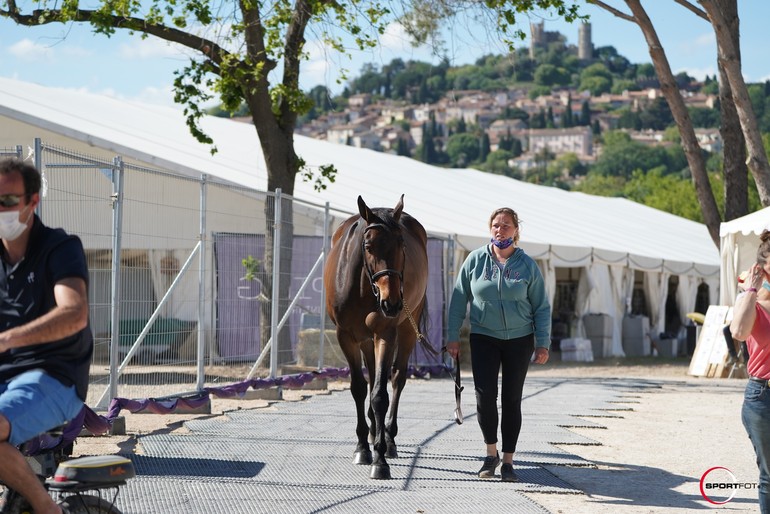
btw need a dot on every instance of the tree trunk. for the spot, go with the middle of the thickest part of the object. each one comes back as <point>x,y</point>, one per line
<point>735,170</point>
<point>675,101</point>
<point>277,144</point>
<point>729,60</point>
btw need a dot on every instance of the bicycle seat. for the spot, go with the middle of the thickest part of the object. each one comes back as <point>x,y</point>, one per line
<point>99,469</point>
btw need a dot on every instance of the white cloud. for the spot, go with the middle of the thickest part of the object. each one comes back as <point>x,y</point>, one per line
<point>150,48</point>
<point>395,39</point>
<point>29,50</point>
<point>697,47</point>
<point>707,39</point>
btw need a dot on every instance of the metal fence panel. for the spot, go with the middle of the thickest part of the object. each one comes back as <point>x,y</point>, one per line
<point>194,294</point>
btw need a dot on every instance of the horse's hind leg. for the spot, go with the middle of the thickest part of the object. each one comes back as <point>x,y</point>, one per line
<point>359,390</point>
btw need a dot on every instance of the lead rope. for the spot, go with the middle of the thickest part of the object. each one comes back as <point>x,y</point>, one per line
<point>456,375</point>
<point>420,337</point>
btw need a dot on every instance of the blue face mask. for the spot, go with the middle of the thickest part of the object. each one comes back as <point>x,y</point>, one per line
<point>505,243</point>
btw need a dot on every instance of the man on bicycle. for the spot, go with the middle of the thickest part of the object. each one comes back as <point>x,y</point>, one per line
<point>45,340</point>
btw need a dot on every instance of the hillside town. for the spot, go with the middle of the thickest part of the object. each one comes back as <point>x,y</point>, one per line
<point>575,117</point>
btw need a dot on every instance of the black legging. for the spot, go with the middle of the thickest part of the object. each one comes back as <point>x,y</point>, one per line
<point>487,354</point>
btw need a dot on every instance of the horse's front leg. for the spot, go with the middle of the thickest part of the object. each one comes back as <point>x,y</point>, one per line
<point>406,338</point>
<point>367,350</point>
<point>359,390</point>
<point>380,403</point>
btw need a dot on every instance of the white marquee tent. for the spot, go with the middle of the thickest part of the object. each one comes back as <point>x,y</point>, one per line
<point>606,238</point>
<point>739,240</point>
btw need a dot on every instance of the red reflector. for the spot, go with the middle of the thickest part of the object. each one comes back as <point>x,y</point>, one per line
<point>60,478</point>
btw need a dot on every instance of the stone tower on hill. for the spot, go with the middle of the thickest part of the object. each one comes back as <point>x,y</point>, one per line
<point>540,38</point>
<point>585,47</point>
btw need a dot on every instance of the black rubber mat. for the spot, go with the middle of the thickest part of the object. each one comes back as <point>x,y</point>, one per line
<point>297,456</point>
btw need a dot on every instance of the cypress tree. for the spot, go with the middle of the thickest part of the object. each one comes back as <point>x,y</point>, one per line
<point>484,147</point>
<point>585,114</point>
<point>566,120</point>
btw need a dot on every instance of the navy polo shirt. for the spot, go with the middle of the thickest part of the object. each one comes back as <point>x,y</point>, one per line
<point>26,293</point>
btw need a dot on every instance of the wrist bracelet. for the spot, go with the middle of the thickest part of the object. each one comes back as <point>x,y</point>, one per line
<point>751,290</point>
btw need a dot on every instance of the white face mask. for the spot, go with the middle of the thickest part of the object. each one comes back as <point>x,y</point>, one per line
<point>10,226</point>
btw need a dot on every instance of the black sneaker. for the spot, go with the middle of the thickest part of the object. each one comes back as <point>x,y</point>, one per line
<point>490,464</point>
<point>507,474</point>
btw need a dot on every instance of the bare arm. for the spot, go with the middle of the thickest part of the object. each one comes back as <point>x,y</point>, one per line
<point>68,317</point>
<point>744,312</point>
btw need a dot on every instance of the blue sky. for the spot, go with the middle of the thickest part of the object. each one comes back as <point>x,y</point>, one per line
<point>127,67</point>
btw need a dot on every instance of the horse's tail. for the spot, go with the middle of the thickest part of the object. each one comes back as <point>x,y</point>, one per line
<point>424,324</point>
<point>424,321</point>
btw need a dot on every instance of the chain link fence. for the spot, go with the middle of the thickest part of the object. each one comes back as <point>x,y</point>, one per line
<point>184,293</point>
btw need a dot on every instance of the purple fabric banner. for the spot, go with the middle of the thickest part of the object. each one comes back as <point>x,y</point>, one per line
<point>238,299</point>
<point>100,424</point>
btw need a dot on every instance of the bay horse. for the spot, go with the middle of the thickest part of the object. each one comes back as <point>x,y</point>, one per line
<point>376,276</point>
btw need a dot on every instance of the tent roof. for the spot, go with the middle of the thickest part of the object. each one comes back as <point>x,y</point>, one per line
<point>753,223</point>
<point>565,226</point>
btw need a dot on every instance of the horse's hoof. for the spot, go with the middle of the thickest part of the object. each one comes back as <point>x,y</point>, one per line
<point>391,453</point>
<point>363,457</point>
<point>380,472</point>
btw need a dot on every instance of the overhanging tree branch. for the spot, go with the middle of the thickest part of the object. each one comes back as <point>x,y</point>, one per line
<point>730,62</point>
<point>670,90</point>
<point>37,18</point>
<point>693,9</point>
<point>617,12</point>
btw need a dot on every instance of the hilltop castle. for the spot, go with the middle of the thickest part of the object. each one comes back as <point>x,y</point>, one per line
<point>540,38</point>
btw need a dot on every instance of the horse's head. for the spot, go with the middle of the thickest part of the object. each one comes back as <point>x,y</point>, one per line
<point>384,255</point>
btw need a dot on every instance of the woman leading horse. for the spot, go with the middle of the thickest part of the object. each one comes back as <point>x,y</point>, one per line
<point>376,276</point>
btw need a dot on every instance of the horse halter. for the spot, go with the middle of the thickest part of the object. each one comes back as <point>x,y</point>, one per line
<point>388,271</point>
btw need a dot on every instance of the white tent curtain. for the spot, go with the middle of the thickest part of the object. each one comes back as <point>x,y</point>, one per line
<point>586,285</point>
<point>738,243</point>
<point>610,286</point>
<point>628,290</point>
<point>656,290</point>
<point>621,281</point>
<point>729,254</point>
<point>713,283</point>
<point>183,302</point>
<point>597,295</point>
<point>549,277</point>
<point>601,296</point>
<point>686,294</point>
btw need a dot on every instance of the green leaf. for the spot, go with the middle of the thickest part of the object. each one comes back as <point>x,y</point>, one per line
<point>252,267</point>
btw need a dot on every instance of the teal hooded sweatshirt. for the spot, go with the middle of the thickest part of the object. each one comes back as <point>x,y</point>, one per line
<point>504,304</point>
